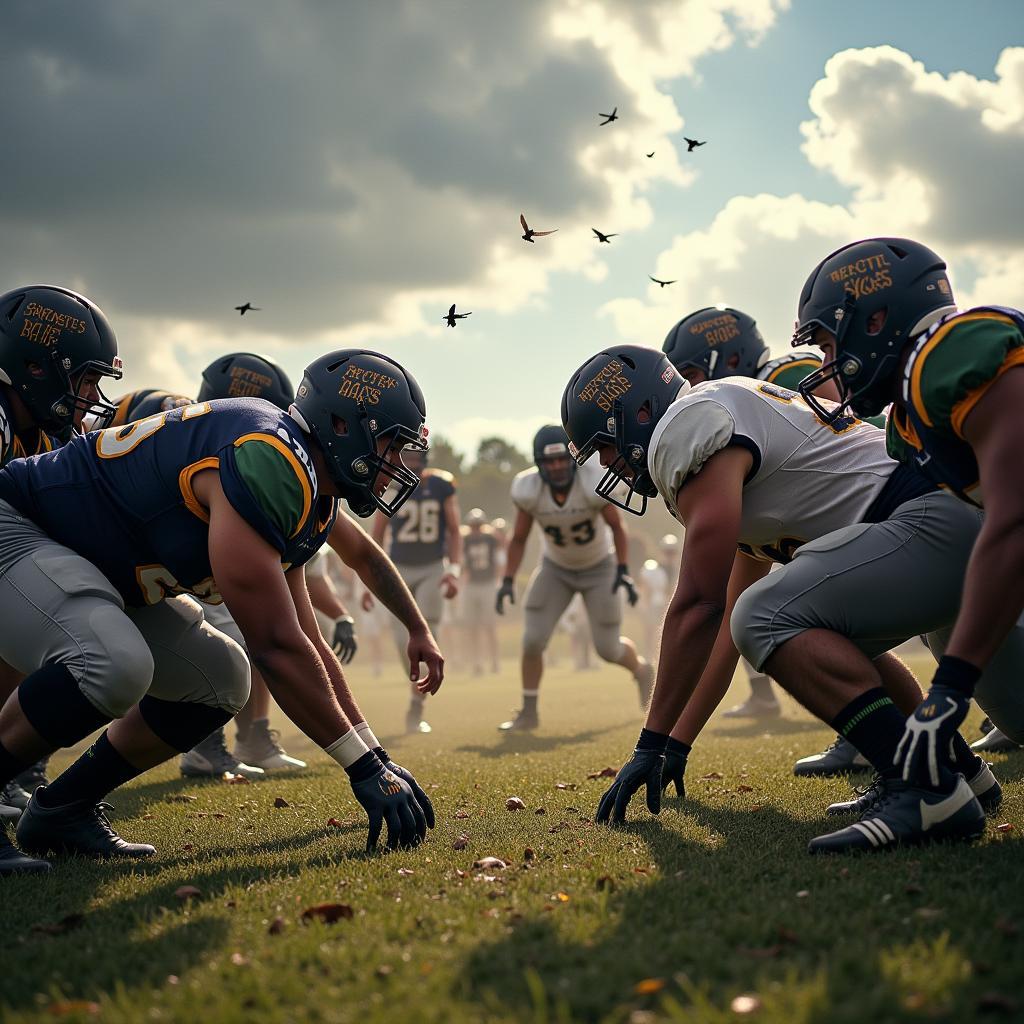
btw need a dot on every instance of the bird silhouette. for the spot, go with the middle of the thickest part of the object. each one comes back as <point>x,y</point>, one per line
<point>242,310</point>
<point>662,283</point>
<point>692,144</point>
<point>604,238</point>
<point>453,316</point>
<point>608,118</point>
<point>529,233</point>
<point>649,155</point>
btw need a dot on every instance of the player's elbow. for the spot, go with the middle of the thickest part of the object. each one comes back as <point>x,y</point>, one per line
<point>278,646</point>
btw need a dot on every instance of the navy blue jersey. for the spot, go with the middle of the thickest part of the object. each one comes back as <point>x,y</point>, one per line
<point>28,442</point>
<point>418,529</point>
<point>122,497</point>
<point>137,405</point>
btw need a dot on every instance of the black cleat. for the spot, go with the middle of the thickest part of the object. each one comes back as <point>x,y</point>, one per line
<point>840,758</point>
<point>14,862</point>
<point>523,722</point>
<point>80,827</point>
<point>34,776</point>
<point>905,815</point>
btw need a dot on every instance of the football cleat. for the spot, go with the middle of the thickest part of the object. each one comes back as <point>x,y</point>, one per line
<point>838,758</point>
<point>644,680</point>
<point>983,783</point>
<point>78,828</point>
<point>211,759</point>
<point>261,748</point>
<point>414,722</point>
<point>14,862</point>
<point>34,776</point>
<point>755,707</point>
<point>9,813</point>
<point>14,796</point>
<point>523,722</point>
<point>994,742</point>
<point>906,815</point>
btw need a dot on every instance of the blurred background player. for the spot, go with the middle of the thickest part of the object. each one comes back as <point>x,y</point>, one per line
<point>481,548</point>
<point>580,530</point>
<point>425,544</point>
<point>657,581</point>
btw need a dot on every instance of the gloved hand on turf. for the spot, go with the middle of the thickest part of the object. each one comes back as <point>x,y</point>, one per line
<point>644,768</point>
<point>386,798</point>
<point>623,579</point>
<point>505,592</point>
<point>924,751</point>
<point>676,754</point>
<point>407,776</point>
<point>345,644</point>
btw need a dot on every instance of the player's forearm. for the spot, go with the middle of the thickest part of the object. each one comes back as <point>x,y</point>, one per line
<point>993,595</point>
<point>381,578</point>
<point>514,556</point>
<point>453,547</point>
<point>621,542</point>
<point>339,684</point>
<point>325,598</point>
<point>711,689</point>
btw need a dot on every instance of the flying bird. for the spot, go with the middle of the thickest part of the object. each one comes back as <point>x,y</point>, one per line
<point>453,316</point>
<point>604,238</point>
<point>529,233</point>
<point>692,144</point>
<point>662,283</point>
<point>242,310</point>
<point>608,118</point>
<point>649,155</point>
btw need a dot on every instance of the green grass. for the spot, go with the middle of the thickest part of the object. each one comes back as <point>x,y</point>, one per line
<point>714,899</point>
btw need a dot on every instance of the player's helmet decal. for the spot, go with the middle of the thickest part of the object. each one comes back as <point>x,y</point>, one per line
<point>246,375</point>
<point>719,341</point>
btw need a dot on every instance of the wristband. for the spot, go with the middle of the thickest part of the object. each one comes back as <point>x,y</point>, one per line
<point>454,570</point>
<point>956,674</point>
<point>347,749</point>
<point>365,768</point>
<point>656,741</point>
<point>623,569</point>
<point>506,581</point>
<point>345,618</point>
<point>365,733</point>
<point>675,746</point>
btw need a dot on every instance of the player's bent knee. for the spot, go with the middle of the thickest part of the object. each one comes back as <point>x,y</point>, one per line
<point>610,648</point>
<point>116,665</point>
<point>751,627</point>
<point>230,678</point>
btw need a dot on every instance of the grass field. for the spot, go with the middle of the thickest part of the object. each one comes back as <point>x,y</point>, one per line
<point>668,919</point>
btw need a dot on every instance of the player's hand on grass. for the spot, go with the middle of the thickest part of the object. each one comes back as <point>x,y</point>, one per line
<point>623,579</point>
<point>387,799</point>
<point>644,768</point>
<point>423,650</point>
<point>345,644</point>
<point>505,593</point>
<point>924,751</point>
<point>407,776</point>
<point>676,754</point>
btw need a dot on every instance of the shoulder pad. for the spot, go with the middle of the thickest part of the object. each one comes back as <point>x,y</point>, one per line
<point>439,474</point>
<point>526,488</point>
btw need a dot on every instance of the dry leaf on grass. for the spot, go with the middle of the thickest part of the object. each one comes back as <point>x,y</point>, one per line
<point>1006,826</point>
<point>406,871</point>
<point>239,959</point>
<point>560,897</point>
<point>180,798</point>
<point>334,823</point>
<point>66,1007</point>
<point>490,864</point>
<point>513,803</point>
<point>187,892</point>
<point>462,814</point>
<point>565,785</point>
<point>279,801</point>
<point>328,913</point>
<point>540,810</point>
<point>529,853</point>
<point>745,1004</point>
<point>276,926</point>
<point>460,842</point>
<point>65,924</point>
<point>604,773</point>
<point>713,775</point>
<point>649,986</point>
<point>238,780</point>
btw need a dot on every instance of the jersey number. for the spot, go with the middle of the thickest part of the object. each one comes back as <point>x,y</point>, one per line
<point>421,523</point>
<point>582,533</point>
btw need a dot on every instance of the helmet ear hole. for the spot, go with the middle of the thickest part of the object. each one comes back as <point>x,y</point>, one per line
<point>876,321</point>
<point>340,426</point>
<point>734,361</point>
<point>644,413</point>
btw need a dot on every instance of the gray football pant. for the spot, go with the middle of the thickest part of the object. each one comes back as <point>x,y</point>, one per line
<point>879,584</point>
<point>425,583</point>
<point>551,589</point>
<point>58,608</point>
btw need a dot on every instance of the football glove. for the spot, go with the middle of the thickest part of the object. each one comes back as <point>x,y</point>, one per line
<point>644,768</point>
<point>345,645</point>
<point>386,798</point>
<point>676,754</point>
<point>623,579</point>
<point>924,752</point>
<point>403,773</point>
<point>505,591</point>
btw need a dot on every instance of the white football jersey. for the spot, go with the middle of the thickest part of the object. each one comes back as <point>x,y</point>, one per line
<point>808,478</point>
<point>575,534</point>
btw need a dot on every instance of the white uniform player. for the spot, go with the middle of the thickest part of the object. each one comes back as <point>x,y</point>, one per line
<point>584,552</point>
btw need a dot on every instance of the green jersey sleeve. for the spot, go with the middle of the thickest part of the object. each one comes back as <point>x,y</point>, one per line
<point>274,483</point>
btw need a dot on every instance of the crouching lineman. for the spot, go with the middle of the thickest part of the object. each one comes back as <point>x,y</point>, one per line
<point>580,530</point>
<point>757,476</point>
<point>221,500</point>
<point>883,313</point>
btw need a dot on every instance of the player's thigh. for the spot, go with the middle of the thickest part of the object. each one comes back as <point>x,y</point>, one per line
<point>59,609</point>
<point>547,596</point>
<point>218,616</point>
<point>428,592</point>
<point>194,663</point>
<point>604,609</point>
<point>878,584</point>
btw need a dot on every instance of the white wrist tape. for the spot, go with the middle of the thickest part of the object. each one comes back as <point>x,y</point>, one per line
<point>365,733</point>
<point>347,749</point>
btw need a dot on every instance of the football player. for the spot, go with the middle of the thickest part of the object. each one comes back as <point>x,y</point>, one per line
<point>480,550</point>
<point>219,500</point>
<point>426,546</point>
<point>883,313</point>
<point>718,342</point>
<point>657,581</point>
<point>584,553</point>
<point>757,475</point>
<point>55,348</point>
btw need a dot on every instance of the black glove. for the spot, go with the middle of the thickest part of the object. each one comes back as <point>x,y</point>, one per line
<point>644,768</point>
<point>403,773</point>
<point>676,754</point>
<point>345,645</point>
<point>386,798</point>
<point>623,579</point>
<point>504,591</point>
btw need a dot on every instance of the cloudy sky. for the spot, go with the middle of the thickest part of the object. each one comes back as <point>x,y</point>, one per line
<point>354,168</point>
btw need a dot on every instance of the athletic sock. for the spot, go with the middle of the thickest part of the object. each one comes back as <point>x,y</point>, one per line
<point>530,701</point>
<point>874,725</point>
<point>99,770</point>
<point>965,760</point>
<point>10,766</point>
<point>761,688</point>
